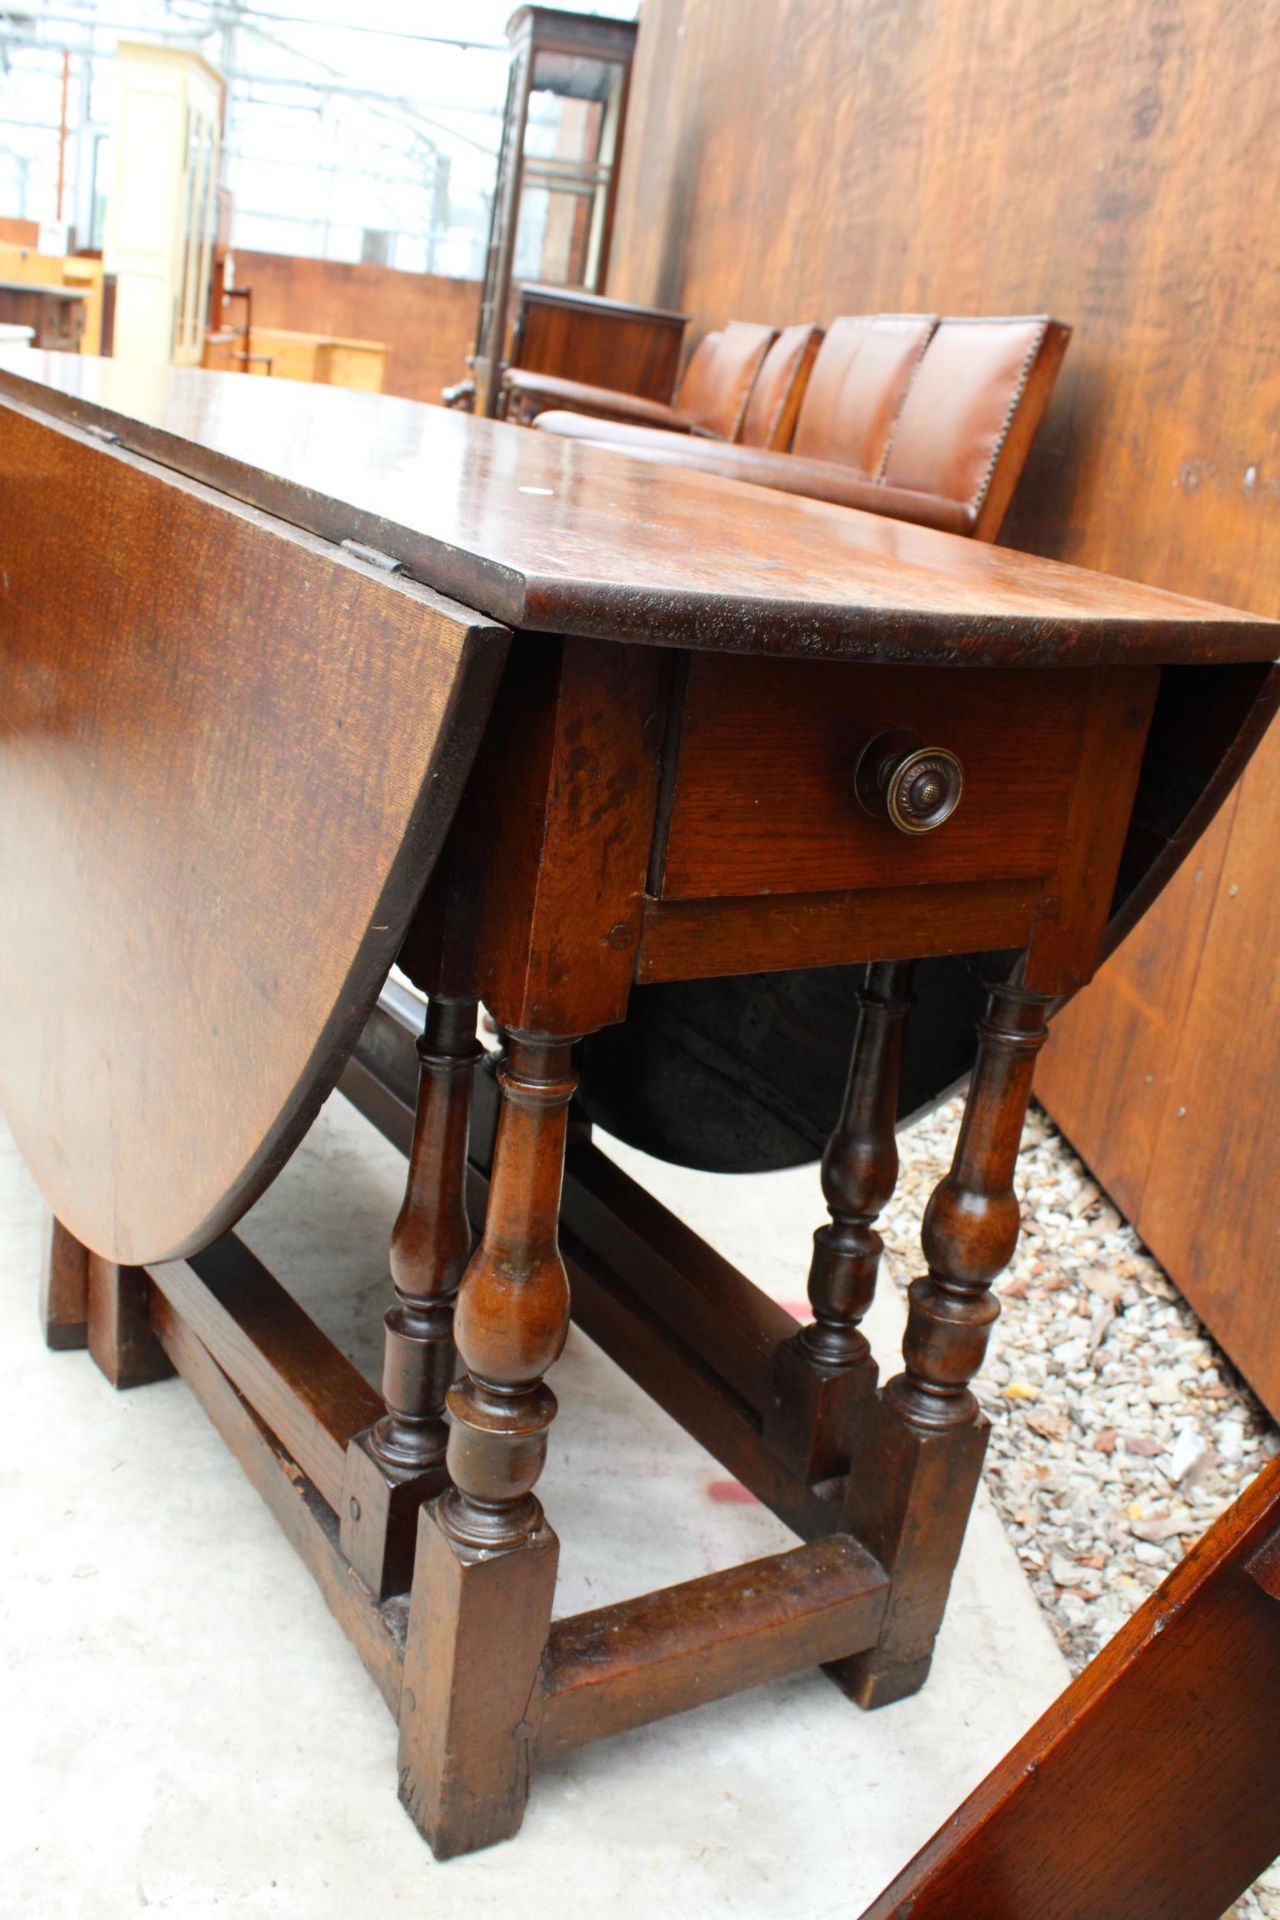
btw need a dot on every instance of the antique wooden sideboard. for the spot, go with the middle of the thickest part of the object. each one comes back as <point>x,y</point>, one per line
<point>347,680</point>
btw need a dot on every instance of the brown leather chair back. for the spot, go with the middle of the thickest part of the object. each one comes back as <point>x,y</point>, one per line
<point>720,375</point>
<point>780,387</point>
<point>859,380</point>
<point>972,411</point>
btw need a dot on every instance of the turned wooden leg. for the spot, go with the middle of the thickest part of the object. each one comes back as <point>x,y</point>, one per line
<point>486,1567</point>
<point>64,1289</point>
<point>825,1372</point>
<point>120,1339</point>
<point>400,1462</point>
<point>926,1429</point>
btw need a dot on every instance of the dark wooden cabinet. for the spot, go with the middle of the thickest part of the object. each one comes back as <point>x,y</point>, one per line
<point>552,219</point>
<point>607,343</point>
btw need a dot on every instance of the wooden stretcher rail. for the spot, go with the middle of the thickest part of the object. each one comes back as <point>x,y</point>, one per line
<point>376,1631</point>
<point>274,1354</point>
<point>623,1666</point>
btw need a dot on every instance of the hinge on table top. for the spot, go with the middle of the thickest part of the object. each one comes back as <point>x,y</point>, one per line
<point>107,434</point>
<point>374,557</point>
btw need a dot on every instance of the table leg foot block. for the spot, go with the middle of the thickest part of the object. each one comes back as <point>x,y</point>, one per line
<point>478,1626</point>
<point>120,1338</point>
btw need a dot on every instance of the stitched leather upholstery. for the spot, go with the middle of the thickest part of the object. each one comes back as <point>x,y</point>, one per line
<point>955,417</point>
<point>859,380</point>
<point>712,399</point>
<point>717,385</point>
<point>780,387</point>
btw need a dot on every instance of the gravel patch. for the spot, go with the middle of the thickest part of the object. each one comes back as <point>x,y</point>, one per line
<point>1119,1431</point>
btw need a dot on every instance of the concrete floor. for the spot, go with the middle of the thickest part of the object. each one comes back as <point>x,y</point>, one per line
<point>185,1728</point>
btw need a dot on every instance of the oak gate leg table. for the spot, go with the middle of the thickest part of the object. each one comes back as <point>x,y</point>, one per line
<point>297,683</point>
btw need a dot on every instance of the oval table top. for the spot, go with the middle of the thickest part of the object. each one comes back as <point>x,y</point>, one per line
<point>228,756</point>
<point>557,535</point>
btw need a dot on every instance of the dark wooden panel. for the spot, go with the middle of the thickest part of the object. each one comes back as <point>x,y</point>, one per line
<point>1208,1210</point>
<point>555,535</point>
<point>228,756</point>
<point>1136,1006</point>
<point>764,796</point>
<point>1152,1785</point>
<point>603,342</point>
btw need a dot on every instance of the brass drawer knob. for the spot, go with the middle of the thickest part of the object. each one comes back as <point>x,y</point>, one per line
<point>914,786</point>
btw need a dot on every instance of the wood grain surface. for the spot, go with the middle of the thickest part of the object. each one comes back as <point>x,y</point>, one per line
<point>545,534</point>
<point>764,798</point>
<point>228,755</point>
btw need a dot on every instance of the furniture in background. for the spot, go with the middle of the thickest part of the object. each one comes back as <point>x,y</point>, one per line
<point>605,343</point>
<point>711,399</point>
<point>286,355</point>
<point>847,394</point>
<point>1152,1785</point>
<point>55,315</point>
<point>558,159</point>
<point>729,391</point>
<point>162,208</point>
<point>636,729</point>
<point>947,439</point>
<point>81,274</point>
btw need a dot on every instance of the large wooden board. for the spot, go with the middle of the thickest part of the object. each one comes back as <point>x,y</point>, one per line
<point>550,534</point>
<point>228,755</point>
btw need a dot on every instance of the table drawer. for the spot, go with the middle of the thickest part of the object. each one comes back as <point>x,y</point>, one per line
<point>762,796</point>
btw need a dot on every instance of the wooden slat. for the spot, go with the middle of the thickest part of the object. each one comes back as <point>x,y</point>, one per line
<point>688,939</point>
<point>376,1631</point>
<point>1209,1207</point>
<point>290,1372</point>
<point>624,1665</point>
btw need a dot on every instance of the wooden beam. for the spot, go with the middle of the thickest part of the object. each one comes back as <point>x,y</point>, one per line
<point>290,1372</point>
<point>377,1632</point>
<point>622,1666</point>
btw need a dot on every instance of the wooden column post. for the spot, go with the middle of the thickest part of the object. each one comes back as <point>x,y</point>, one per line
<point>486,1567</point>
<point>925,1430</point>
<point>825,1372</point>
<point>400,1461</point>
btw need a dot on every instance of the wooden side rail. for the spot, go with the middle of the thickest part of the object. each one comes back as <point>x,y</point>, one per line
<point>291,1373</point>
<point>376,1631</point>
<point>622,1666</point>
